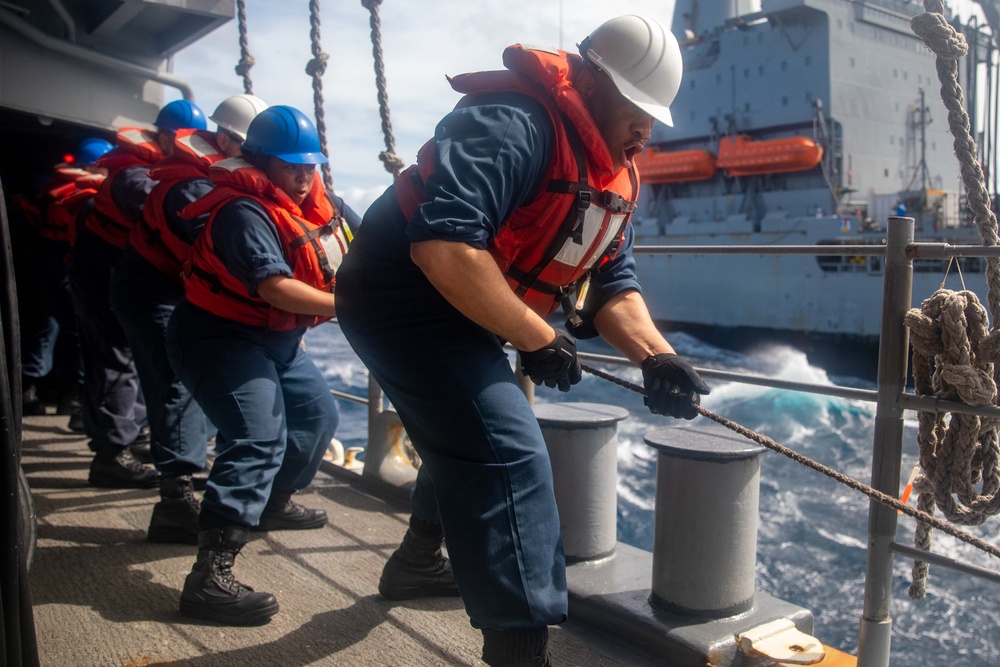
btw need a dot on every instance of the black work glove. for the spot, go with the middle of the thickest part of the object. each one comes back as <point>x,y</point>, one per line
<point>555,364</point>
<point>672,386</point>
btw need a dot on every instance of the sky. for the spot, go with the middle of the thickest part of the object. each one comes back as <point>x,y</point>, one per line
<point>422,42</point>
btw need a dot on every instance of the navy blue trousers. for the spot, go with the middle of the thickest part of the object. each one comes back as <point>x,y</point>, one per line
<point>143,299</point>
<point>113,406</point>
<point>272,406</point>
<point>53,280</point>
<point>452,384</point>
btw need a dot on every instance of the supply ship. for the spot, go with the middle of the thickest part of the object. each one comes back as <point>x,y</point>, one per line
<point>806,122</point>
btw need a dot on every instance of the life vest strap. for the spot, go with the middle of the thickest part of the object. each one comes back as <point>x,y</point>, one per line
<point>573,224</point>
<point>216,286</point>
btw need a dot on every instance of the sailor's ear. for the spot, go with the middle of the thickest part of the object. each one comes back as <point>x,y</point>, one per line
<point>584,80</point>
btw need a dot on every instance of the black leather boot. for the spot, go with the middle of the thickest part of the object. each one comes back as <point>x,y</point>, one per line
<point>282,513</point>
<point>211,591</point>
<point>417,568</point>
<point>175,517</point>
<point>516,647</point>
<point>116,468</point>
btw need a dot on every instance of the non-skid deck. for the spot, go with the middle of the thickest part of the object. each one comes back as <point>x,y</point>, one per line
<point>105,597</point>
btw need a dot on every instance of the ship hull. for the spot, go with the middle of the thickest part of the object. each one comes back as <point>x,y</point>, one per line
<point>793,295</point>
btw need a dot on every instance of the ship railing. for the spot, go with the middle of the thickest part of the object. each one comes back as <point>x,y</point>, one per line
<point>890,397</point>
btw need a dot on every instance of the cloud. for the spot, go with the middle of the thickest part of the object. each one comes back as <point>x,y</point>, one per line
<point>421,43</point>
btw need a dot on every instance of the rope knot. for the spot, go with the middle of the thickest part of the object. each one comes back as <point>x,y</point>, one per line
<point>370,4</point>
<point>243,67</point>
<point>317,66</point>
<point>943,40</point>
<point>393,163</point>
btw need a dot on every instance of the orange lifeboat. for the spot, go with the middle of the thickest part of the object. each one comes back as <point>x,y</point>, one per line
<point>743,156</point>
<point>674,166</point>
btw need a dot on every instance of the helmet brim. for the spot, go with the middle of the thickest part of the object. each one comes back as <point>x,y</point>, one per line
<point>303,158</point>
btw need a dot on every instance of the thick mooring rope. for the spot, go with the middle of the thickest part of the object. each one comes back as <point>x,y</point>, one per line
<point>315,69</point>
<point>393,163</point>
<point>921,516</point>
<point>246,60</point>
<point>954,353</point>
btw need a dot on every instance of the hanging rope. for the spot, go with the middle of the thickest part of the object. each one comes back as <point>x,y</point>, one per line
<point>874,494</point>
<point>954,354</point>
<point>315,68</point>
<point>393,163</point>
<point>246,60</point>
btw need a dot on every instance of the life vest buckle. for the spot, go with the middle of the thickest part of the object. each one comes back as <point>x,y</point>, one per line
<point>583,200</point>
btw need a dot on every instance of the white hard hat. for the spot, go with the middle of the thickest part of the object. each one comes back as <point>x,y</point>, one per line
<point>236,112</point>
<point>642,58</point>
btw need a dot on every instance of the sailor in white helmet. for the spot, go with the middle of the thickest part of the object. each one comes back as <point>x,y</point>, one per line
<point>147,285</point>
<point>518,206</point>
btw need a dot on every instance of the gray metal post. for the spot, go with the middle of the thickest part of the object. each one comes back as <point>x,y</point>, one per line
<point>874,635</point>
<point>582,440</point>
<point>705,539</point>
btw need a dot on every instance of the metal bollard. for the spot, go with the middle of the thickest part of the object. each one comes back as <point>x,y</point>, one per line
<point>582,439</point>
<point>705,539</point>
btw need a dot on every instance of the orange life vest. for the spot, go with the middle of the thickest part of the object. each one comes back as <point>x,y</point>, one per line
<point>59,222</point>
<point>314,238</point>
<point>194,152</point>
<point>136,147</point>
<point>548,247</point>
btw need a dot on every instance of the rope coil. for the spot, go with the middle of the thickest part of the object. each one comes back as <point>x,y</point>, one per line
<point>954,352</point>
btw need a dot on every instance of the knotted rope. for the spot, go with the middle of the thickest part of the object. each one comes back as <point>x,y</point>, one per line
<point>954,354</point>
<point>315,69</point>
<point>393,163</point>
<point>246,60</point>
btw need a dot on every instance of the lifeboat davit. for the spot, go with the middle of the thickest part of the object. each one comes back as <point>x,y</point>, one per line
<point>742,156</point>
<point>675,166</point>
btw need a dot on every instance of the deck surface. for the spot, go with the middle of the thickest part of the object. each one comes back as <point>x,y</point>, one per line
<point>105,597</point>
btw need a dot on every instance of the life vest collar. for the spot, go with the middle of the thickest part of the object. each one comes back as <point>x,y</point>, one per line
<point>552,69</point>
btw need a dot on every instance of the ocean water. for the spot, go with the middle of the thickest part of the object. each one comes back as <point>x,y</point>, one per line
<point>812,530</point>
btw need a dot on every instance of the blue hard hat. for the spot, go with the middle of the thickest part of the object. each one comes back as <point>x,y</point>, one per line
<point>180,115</point>
<point>90,150</point>
<point>285,133</point>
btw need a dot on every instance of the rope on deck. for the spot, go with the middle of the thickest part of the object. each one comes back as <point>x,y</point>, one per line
<point>315,68</point>
<point>922,517</point>
<point>393,163</point>
<point>954,351</point>
<point>246,60</point>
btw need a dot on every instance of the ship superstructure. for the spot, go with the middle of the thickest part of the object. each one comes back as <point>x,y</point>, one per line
<point>802,122</point>
<point>76,68</point>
